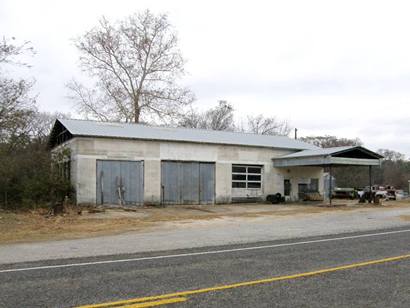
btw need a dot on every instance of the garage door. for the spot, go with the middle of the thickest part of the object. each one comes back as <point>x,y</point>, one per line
<point>120,182</point>
<point>187,182</point>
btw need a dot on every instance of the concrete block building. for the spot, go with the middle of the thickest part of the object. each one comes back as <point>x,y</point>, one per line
<point>132,164</point>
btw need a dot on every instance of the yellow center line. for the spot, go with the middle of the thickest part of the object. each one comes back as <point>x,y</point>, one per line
<point>157,303</point>
<point>244,284</point>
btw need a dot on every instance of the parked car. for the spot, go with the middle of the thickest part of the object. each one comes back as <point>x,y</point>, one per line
<point>378,191</point>
<point>383,194</point>
<point>344,193</point>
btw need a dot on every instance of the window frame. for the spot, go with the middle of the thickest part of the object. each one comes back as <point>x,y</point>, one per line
<point>247,174</point>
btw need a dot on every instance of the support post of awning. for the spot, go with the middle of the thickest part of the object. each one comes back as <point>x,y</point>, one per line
<point>370,184</point>
<point>330,185</point>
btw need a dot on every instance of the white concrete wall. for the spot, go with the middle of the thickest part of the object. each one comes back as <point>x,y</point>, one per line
<point>300,175</point>
<point>85,152</point>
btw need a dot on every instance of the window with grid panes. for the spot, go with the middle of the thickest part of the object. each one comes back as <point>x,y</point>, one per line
<point>246,176</point>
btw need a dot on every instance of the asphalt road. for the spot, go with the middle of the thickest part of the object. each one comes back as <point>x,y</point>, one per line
<point>290,268</point>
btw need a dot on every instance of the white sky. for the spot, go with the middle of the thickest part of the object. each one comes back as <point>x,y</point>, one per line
<point>328,67</point>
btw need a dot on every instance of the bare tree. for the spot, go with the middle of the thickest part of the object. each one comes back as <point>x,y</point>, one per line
<point>267,126</point>
<point>10,49</point>
<point>221,117</point>
<point>17,108</point>
<point>192,119</point>
<point>43,122</point>
<point>331,141</point>
<point>391,155</point>
<point>135,64</point>
<point>17,105</point>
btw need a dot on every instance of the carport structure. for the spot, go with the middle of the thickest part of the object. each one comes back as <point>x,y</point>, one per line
<point>331,157</point>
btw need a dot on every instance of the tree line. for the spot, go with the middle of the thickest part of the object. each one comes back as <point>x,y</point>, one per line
<point>29,176</point>
<point>133,70</point>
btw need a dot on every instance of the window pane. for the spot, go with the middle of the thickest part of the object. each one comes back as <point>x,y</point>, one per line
<point>254,170</point>
<point>246,176</point>
<point>238,185</point>
<point>239,169</point>
<point>254,185</point>
<point>254,177</point>
<point>240,177</point>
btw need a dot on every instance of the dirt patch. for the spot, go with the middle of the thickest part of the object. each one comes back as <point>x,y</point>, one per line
<point>198,209</point>
<point>34,226</point>
<point>405,217</point>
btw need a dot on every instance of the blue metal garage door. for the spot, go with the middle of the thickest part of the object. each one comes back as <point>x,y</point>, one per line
<point>207,183</point>
<point>120,182</point>
<point>187,182</point>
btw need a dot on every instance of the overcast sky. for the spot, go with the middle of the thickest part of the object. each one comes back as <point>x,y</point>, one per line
<point>328,67</point>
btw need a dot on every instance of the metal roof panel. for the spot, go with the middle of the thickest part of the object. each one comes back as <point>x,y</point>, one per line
<point>140,131</point>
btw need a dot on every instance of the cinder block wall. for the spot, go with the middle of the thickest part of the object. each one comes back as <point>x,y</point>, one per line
<point>300,175</point>
<point>86,151</point>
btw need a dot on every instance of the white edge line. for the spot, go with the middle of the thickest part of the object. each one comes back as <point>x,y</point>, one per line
<point>200,253</point>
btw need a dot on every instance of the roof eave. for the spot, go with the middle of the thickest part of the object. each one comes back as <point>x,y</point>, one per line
<point>324,160</point>
<point>186,141</point>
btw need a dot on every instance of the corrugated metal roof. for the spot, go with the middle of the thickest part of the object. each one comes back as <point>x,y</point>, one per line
<point>139,131</point>
<point>318,152</point>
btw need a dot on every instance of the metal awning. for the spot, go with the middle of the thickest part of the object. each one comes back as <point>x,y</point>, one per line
<point>331,157</point>
<point>344,156</point>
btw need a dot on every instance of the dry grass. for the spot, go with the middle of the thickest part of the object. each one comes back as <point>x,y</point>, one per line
<point>35,226</point>
<point>27,227</point>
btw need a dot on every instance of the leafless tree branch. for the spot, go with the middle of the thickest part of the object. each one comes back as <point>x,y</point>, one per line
<point>135,64</point>
<point>267,126</point>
